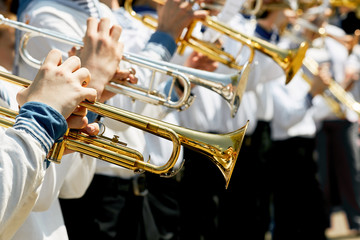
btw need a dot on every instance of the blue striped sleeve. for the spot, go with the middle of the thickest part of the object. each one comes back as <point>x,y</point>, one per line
<point>42,122</point>
<point>163,44</point>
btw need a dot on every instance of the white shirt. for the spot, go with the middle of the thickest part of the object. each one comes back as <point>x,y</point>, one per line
<point>293,115</point>
<point>23,172</point>
<point>338,56</point>
<point>71,23</point>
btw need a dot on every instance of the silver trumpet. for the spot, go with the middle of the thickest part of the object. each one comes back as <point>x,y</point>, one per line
<point>229,86</point>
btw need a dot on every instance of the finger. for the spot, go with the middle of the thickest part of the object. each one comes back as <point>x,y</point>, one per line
<point>91,26</point>
<point>77,122</point>
<point>80,111</point>
<point>132,79</point>
<point>122,74</point>
<point>83,74</point>
<point>119,50</point>
<point>72,52</point>
<point>115,32</point>
<point>92,129</point>
<point>200,14</point>
<point>53,58</point>
<point>20,97</point>
<point>89,94</point>
<point>132,71</point>
<point>104,26</point>
<point>72,64</point>
<point>121,77</point>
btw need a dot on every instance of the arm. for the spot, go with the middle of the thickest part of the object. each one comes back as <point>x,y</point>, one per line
<point>22,164</point>
<point>45,105</point>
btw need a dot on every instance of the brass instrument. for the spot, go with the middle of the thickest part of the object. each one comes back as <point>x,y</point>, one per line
<point>354,5</point>
<point>348,40</point>
<point>336,94</point>
<point>289,60</point>
<point>222,149</point>
<point>299,6</point>
<point>229,86</point>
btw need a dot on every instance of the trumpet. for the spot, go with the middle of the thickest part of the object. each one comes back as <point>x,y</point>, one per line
<point>222,149</point>
<point>353,5</point>
<point>257,7</point>
<point>289,60</point>
<point>335,94</point>
<point>229,86</point>
<point>349,41</point>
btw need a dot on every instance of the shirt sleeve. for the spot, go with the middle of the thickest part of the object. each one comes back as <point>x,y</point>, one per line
<point>23,151</point>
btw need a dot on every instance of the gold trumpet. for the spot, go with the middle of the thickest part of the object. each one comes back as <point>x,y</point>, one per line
<point>289,60</point>
<point>349,41</point>
<point>228,86</point>
<point>335,94</point>
<point>354,5</point>
<point>257,7</point>
<point>222,149</point>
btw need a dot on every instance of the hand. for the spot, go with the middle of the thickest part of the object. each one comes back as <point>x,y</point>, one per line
<point>352,75</point>
<point>80,122</point>
<point>101,53</point>
<point>322,81</point>
<point>176,15</point>
<point>59,85</point>
<point>121,77</point>
<point>200,61</point>
<point>213,6</point>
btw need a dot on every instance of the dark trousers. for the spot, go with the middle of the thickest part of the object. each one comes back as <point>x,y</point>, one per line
<point>111,209</point>
<point>209,211</point>
<point>201,183</point>
<point>339,165</point>
<point>244,208</point>
<point>299,207</point>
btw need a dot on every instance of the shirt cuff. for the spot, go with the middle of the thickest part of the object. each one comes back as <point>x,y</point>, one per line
<point>42,122</point>
<point>163,44</point>
<point>308,100</point>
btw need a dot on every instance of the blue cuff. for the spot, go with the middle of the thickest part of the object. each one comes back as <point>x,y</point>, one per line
<point>42,122</point>
<point>163,43</point>
<point>308,100</point>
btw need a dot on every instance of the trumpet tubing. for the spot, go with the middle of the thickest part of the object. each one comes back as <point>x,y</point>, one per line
<point>222,149</point>
<point>110,150</point>
<point>218,83</point>
<point>337,93</point>
<point>289,60</point>
<point>208,49</point>
<point>352,4</point>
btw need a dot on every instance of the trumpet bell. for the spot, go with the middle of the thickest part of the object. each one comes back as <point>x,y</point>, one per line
<point>233,91</point>
<point>227,150</point>
<point>292,61</point>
